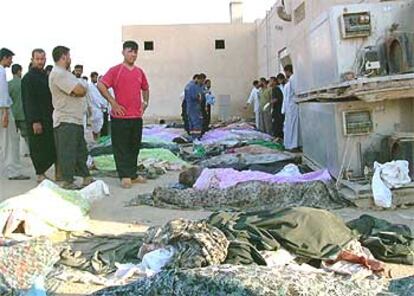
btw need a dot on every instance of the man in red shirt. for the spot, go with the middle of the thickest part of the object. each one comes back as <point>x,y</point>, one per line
<point>131,90</point>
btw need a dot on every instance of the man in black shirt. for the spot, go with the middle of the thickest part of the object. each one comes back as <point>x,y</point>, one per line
<point>277,102</point>
<point>38,108</point>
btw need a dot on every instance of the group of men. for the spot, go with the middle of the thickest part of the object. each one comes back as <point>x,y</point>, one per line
<point>275,108</point>
<point>196,106</point>
<point>52,106</point>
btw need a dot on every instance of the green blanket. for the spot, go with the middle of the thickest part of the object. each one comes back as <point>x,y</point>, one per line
<point>307,232</point>
<point>107,162</point>
<point>388,242</point>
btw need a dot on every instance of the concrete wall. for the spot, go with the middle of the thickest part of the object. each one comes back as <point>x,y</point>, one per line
<point>183,50</point>
<point>252,51</point>
<point>276,38</point>
<point>271,39</point>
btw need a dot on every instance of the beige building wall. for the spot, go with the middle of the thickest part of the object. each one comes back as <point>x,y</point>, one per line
<point>271,41</point>
<point>252,51</point>
<point>183,50</point>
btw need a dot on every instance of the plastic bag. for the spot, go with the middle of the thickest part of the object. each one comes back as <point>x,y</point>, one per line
<point>290,170</point>
<point>392,174</point>
<point>382,194</point>
<point>95,191</point>
<point>157,259</point>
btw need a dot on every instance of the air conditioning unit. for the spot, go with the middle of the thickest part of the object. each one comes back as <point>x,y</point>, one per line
<point>399,52</point>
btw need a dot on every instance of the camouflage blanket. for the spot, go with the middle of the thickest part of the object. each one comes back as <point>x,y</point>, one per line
<point>246,196</point>
<point>196,244</point>
<point>246,281</point>
<point>402,287</point>
<point>22,263</point>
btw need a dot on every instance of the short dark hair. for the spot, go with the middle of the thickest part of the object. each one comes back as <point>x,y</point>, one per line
<point>94,74</point>
<point>78,67</point>
<point>130,44</point>
<point>5,53</point>
<point>16,68</point>
<point>288,68</point>
<point>281,76</point>
<point>48,68</point>
<point>38,50</point>
<point>195,76</point>
<point>202,76</point>
<point>255,83</point>
<point>262,79</point>
<point>273,78</point>
<point>85,78</point>
<point>59,51</point>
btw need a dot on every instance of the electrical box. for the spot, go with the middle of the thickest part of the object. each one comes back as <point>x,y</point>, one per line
<point>355,25</point>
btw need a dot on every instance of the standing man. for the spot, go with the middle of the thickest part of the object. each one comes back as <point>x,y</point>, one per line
<point>37,102</point>
<point>254,100</point>
<point>98,106</point>
<point>105,127</point>
<point>291,139</point>
<point>184,114</point>
<point>131,89</point>
<point>15,91</point>
<point>210,101</point>
<point>9,138</point>
<point>194,99</point>
<point>78,71</point>
<point>265,97</point>
<point>277,101</point>
<point>204,114</point>
<point>68,97</point>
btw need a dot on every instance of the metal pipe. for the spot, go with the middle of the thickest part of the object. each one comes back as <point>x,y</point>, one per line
<point>361,160</point>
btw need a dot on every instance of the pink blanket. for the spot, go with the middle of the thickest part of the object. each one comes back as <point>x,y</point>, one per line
<point>224,178</point>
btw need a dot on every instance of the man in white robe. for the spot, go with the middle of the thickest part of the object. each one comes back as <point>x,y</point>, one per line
<point>254,101</point>
<point>98,105</point>
<point>10,165</point>
<point>290,108</point>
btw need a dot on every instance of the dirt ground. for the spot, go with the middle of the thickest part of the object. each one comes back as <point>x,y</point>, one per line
<point>109,216</point>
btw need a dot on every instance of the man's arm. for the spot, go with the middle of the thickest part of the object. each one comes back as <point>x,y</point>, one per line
<point>79,91</point>
<point>31,107</point>
<point>145,96</point>
<point>4,112</point>
<point>70,85</point>
<point>5,100</point>
<point>116,108</point>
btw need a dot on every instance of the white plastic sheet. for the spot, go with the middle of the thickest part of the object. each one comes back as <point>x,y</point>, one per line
<point>394,174</point>
<point>152,263</point>
<point>48,207</point>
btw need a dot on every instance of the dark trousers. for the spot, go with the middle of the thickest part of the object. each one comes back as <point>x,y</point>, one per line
<point>126,137</point>
<point>206,118</point>
<point>184,116</point>
<point>72,153</point>
<point>42,148</point>
<point>105,126</point>
<point>278,120</point>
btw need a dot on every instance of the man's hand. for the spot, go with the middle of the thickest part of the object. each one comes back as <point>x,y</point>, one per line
<point>144,106</point>
<point>4,118</point>
<point>37,128</point>
<point>117,109</point>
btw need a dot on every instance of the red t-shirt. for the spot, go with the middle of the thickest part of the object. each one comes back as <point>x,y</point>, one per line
<point>127,85</point>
